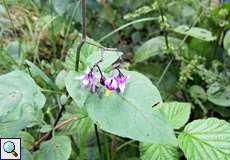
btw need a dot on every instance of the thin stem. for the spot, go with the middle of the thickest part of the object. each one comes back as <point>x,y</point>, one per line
<point>51,91</point>
<point>83,39</point>
<point>11,20</point>
<point>165,71</point>
<point>125,144</point>
<point>163,21</point>
<point>84,19</point>
<point>98,142</point>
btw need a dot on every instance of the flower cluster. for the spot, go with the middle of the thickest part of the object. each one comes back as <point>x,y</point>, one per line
<point>116,82</point>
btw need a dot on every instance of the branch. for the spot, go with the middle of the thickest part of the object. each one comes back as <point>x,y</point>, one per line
<point>83,39</point>
<point>47,135</point>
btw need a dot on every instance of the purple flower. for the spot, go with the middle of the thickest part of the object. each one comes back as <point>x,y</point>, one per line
<point>121,79</point>
<point>111,83</point>
<point>89,78</point>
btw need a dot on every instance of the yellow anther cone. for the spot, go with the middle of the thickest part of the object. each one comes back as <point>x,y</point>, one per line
<point>107,92</point>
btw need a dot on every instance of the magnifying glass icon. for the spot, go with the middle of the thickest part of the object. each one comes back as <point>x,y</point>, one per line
<point>9,147</point>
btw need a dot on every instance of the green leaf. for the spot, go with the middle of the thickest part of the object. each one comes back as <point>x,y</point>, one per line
<point>60,79</point>
<point>79,125</point>
<point>109,57</point>
<point>13,49</point>
<point>158,152</point>
<point>21,103</point>
<point>27,139</point>
<point>153,47</point>
<point>227,42</point>
<point>206,139</point>
<point>130,114</point>
<point>197,92</point>
<point>26,155</point>
<point>90,54</point>
<point>73,88</point>
<point>58,148</point>
<point>70,8</point>
<point>195,32</point>
<point>46,128</point>
<point>219,95</point>
<point>177,113</point>
<point>39,72</point>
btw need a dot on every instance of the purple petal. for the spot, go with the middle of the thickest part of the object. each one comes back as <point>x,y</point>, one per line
<point>93,89</point>
<point>111,83</point>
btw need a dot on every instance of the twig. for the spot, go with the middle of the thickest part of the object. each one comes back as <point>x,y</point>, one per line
<point>83,39</point>
<point>165,71</point>
<point>47,135</point>
<point>98,141</point>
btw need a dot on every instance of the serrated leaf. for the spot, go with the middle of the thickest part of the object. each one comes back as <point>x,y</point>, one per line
<point>153,47</point>
<point>158,152</point>
<point>196,32</point>
<point>227,42</point>
<point>206,139</point>
<point>177,113</point>
<point>219,95</point>
<point>21,102</point>
<point>58,148</point>
<point>129,114</point>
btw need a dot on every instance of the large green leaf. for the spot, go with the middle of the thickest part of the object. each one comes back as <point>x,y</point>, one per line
<point>130,114</point>
<point>73,88</point>
<point>158,152</point>
<point>177,112</point>
<point>21,102</point>
<point>109,57</point>
<point>206,139</point>
<point>227,42</point>
<point>58,148</point>
<point>195,32</point>
<point>153,47</point>
<point>219,95</point>
<point>90,54</point>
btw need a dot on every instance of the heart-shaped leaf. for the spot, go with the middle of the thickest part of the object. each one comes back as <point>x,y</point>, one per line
<point>130,114</point>
<point>21,102</point>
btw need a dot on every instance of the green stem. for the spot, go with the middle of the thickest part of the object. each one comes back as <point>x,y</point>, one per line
<point>83,35</point>
<point>165,71</point>
<point>125,144</point>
